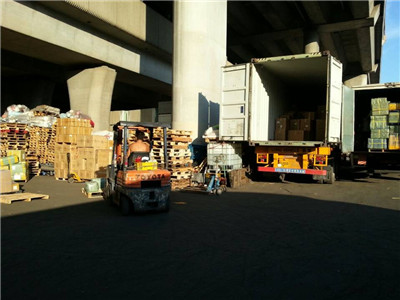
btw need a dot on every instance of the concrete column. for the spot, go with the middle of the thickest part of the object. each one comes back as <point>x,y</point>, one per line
<point>199,53</point>
<point>358,80</point>
<point>311,41</point>
<point>90,91</point>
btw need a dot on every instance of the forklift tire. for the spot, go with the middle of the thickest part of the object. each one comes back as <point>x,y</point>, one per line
<point>167,204</point>
<point>330,175</point>
<point>124,205</point>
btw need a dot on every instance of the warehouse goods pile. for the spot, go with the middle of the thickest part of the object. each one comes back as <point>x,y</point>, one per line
<point>78,151</point>
<point>179,155</point>
<point>301,126</point>
<point>384,125</point>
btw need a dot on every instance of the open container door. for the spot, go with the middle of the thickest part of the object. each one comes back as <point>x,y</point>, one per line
<point>348,120</point>
<point>334,100</point>
<point>234,103</point>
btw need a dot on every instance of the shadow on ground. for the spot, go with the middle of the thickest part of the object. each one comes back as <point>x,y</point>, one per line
<point>239,245</point>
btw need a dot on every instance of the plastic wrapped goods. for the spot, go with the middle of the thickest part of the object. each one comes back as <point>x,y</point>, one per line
<point>394,129</point>
<point>394,117</point>
<point>378,122</point>
<point>92,187</point>
<point>380,133</point>
<point>377,144</point>
<point>380,106</point>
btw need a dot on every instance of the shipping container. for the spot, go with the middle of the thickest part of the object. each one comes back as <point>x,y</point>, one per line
<point>256,94</point>
<point>361,125</point>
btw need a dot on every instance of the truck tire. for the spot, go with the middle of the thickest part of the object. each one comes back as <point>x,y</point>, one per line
<point>124,205</point>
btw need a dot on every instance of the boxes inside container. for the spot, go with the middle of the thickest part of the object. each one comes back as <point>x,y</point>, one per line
<point>362,115</point>
<point>294,86</point>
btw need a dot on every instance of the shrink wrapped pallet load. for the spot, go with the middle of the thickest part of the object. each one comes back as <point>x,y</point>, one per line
<point>380,133</point>
<point>377,144</point>
<point>394,117</point>
<point>378,122</point>
<point>394,129</point>
<point>380,106</point>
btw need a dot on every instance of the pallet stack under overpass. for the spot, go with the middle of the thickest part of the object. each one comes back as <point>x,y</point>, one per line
<point>179,155</point>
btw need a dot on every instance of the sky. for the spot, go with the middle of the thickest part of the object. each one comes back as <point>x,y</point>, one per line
<point>390,69</point>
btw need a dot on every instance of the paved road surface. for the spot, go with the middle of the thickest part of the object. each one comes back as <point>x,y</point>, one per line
<point>263,241</point>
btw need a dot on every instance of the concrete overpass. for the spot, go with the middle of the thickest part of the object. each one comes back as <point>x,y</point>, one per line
<point>46,43</point>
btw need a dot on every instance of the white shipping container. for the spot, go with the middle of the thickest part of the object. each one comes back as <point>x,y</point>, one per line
<point>255,94</point>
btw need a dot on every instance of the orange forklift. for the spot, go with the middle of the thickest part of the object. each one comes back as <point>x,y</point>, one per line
<point>135,183</point>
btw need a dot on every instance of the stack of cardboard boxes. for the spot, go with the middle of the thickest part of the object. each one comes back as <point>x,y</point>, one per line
<point>301,126</point>
<point>89,155</point>
<point>384,125</point>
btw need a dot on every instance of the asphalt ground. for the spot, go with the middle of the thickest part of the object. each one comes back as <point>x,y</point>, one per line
<point>267,240</point>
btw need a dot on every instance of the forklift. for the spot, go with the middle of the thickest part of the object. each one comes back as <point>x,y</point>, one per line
<point>135,183</point>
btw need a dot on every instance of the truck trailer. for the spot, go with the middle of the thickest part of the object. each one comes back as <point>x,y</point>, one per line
<point>259,96</point>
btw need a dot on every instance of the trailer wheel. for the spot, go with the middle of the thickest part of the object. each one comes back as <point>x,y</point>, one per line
<point>124,205</point>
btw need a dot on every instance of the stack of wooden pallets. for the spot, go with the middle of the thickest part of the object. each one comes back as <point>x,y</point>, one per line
<point>42,143</point>
<point>14,136</point>
<point>179,155</point>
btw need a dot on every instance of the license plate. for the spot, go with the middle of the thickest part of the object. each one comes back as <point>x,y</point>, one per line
<point>294,171</point>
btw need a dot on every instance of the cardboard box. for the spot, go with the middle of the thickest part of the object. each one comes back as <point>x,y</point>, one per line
<point>21,154</point>
<point>280,134</point>
<point>394,142</point>
<point>320,129</point>
<point>8,160</point>
<point>103,157</point>
<point>281,125</point>
<point>5,181</point>
<point>19,171</point>
<point>394,106</point>
<point>295,124</point>
<point>305,124</point>
<point>298,135</point>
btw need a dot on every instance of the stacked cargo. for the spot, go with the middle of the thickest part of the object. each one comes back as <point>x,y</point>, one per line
<point>42,143</point>
<point>384,125</point>
<point>15,162</point>
<point>179,155</point>
<point>301,126</point>
<point>394,126</point>
<point>89,155</point>
<point>14,136</point>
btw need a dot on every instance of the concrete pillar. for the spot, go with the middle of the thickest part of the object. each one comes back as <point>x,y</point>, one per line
<point>199,53</point>
<point>90,91</point>
<point>358,80</point>
<point>311,41</point>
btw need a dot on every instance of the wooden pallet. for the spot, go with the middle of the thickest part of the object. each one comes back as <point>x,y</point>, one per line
<point>92,195</point>
<point>27,197</point>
